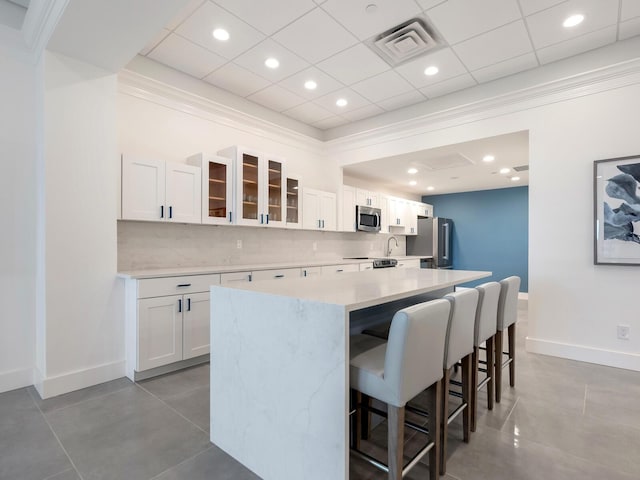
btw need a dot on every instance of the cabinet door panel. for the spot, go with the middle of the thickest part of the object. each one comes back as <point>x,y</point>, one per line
<point>328,211</point>
<point>143,189</point>
<point>349,203</point>
<point>196,325</point>
<point>159,332</point>
<point>310,209</point>
<point>184,193</point>
<point>275,192</point>
<point>275,274</point>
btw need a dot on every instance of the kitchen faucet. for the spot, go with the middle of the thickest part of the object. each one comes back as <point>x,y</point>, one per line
<point>389,245</point>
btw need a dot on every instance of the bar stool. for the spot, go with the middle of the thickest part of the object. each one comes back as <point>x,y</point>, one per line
<point>458,347</point>
<point>398,370</point>
<point>507,317</point>
<point>485,331</point>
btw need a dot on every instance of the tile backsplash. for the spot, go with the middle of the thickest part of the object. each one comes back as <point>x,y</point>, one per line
<point>148,245</point>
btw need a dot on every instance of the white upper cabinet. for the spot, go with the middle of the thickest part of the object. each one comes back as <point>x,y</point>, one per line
<point>260,194</point>
<point>397,212</point>
<point>366,197</point>
<point>160,191</point>
<point>384,213</point>
<point>217,188</point>
<point>319,212</point>
<point>293,203</point>
<point>348,209</point>
<point>411,226</point>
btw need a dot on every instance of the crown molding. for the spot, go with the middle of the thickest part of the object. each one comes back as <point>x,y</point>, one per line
<point>39,24</point>
<point>579,85</point>
<point>146,88</point>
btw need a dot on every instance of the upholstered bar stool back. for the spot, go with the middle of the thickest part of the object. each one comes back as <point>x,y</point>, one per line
<point>398,370</point>
<point>507,317</point>
<point>485,331</point>
<point>458,347</point>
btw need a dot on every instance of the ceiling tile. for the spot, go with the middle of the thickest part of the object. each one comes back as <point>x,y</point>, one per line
<point>329,101</point>
<point>254,58</point>
<point>237,80</point>
<point>188,9</point>
<point>188,57</point>
<point>199,27</point>
<point>630,9</point>
<point>276,98</point>
<point>330,122</point>
<point>495,46</point>
<point>155,41</point>
<point>578,45</point>
<point>268,17</point>
<point>508,67</point>
<point>448,86</point>
<point>386,85</point>
<point>630,28</point>
<point>388,14</point>
<point>447,62</point>
<point>315,36</point>
<point>364,112</point>
<point>403,100</point>
<point>308,113</point>
<point>546,27</point>
<point>533,6</point>
<point>427,4</point>
<point>326,84</point>
<point>458,20</point>
<point>353,65</point>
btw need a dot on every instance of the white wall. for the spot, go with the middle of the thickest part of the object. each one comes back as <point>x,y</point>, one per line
<point>574,306</point>
<point>17,217</point>
<point>83,341</point>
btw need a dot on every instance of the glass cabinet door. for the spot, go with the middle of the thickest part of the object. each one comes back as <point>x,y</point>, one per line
<point>250,191</point>
<point>218,187</point>
<point>274,191</point>
<point>293,209</point>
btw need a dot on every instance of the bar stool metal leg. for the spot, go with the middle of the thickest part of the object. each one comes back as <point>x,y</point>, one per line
<point>466,397</point>
<point>498,365</point>
<point>511,329</point>
<point>395,441</point>
<point>475,365</point>
<point>490,371</point>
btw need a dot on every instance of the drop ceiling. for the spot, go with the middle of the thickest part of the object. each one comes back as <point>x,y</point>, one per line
<point>460,167</point>
<point>329,42</point>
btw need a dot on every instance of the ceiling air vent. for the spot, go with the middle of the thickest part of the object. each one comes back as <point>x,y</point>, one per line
<point>404,42</point>
<point>521,168</point>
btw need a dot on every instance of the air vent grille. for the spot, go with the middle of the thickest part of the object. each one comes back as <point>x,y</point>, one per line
<point>521,168</point>
<point>404,42</point>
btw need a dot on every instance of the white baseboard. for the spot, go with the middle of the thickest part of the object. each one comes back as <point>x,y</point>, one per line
<point>16,379</point>
<point>611,358</point>
<point>68,382</point>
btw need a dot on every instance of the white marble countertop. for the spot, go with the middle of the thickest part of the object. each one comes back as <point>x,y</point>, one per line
<point>355,290</point>
<point>209,269</point>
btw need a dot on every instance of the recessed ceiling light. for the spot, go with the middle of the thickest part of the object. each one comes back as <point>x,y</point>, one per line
<point>272,62</point>
<point>371,8</point>
<point>515,179</point>
<point>573,20</point>
<point>430,188</point>
<point>505,170</point>
<point>412,170</point>
<point>341,102</point>
<point>221,34</point>
<point>413,182</point>
<point>310,85</point>
<point>488,158</point>
<point>432,70</point>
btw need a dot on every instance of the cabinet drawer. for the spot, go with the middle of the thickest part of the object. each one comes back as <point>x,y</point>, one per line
<point>158,287</point>
<point>311,271</point>
<point>275,274</point>
<point>350,267</point>
<point>235,277</point>
<point>366,266</point>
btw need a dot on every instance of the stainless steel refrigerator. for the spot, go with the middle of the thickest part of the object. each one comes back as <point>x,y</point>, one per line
<point>433,240</point>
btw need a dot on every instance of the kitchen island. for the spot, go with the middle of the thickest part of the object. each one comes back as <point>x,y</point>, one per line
<point>280,364</point>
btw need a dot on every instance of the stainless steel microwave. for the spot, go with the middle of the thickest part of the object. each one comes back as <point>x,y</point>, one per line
<point>368,218</point>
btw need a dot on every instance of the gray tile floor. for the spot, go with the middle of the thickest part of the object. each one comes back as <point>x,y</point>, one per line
<point>564,420</point>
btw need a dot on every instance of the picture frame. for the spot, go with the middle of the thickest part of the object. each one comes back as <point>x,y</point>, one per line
<point>616,200</point>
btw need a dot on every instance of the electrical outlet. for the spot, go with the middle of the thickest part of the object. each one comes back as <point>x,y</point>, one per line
<point>623,332</point>
<point>239,244</point>
<point>315,246</point>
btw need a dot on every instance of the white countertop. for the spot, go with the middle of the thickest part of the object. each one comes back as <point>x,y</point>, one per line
<point>209,269</point>
<point>355,290</point>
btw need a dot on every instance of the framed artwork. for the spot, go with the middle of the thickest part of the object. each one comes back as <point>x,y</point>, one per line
<point>616,197</point>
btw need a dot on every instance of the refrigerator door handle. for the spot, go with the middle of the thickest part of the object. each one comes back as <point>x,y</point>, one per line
<point>445,254</point>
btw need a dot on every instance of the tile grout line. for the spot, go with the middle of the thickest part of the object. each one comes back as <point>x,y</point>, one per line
<point>73,465</point>
<point>175,411</point>
<point>183,461</point>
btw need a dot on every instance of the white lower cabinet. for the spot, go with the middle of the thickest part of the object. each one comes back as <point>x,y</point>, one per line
<point>408,263</point>
<point>235,277</point>
<point>311,271</point>
<point>349,267</point>
<point>366,266</point>
<point>275,274</point>
<point>171,320</point>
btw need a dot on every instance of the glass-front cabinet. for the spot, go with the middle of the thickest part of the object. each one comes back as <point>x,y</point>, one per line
<point>293,197</point>
<point>217,188</point>
<point>260,192</point>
